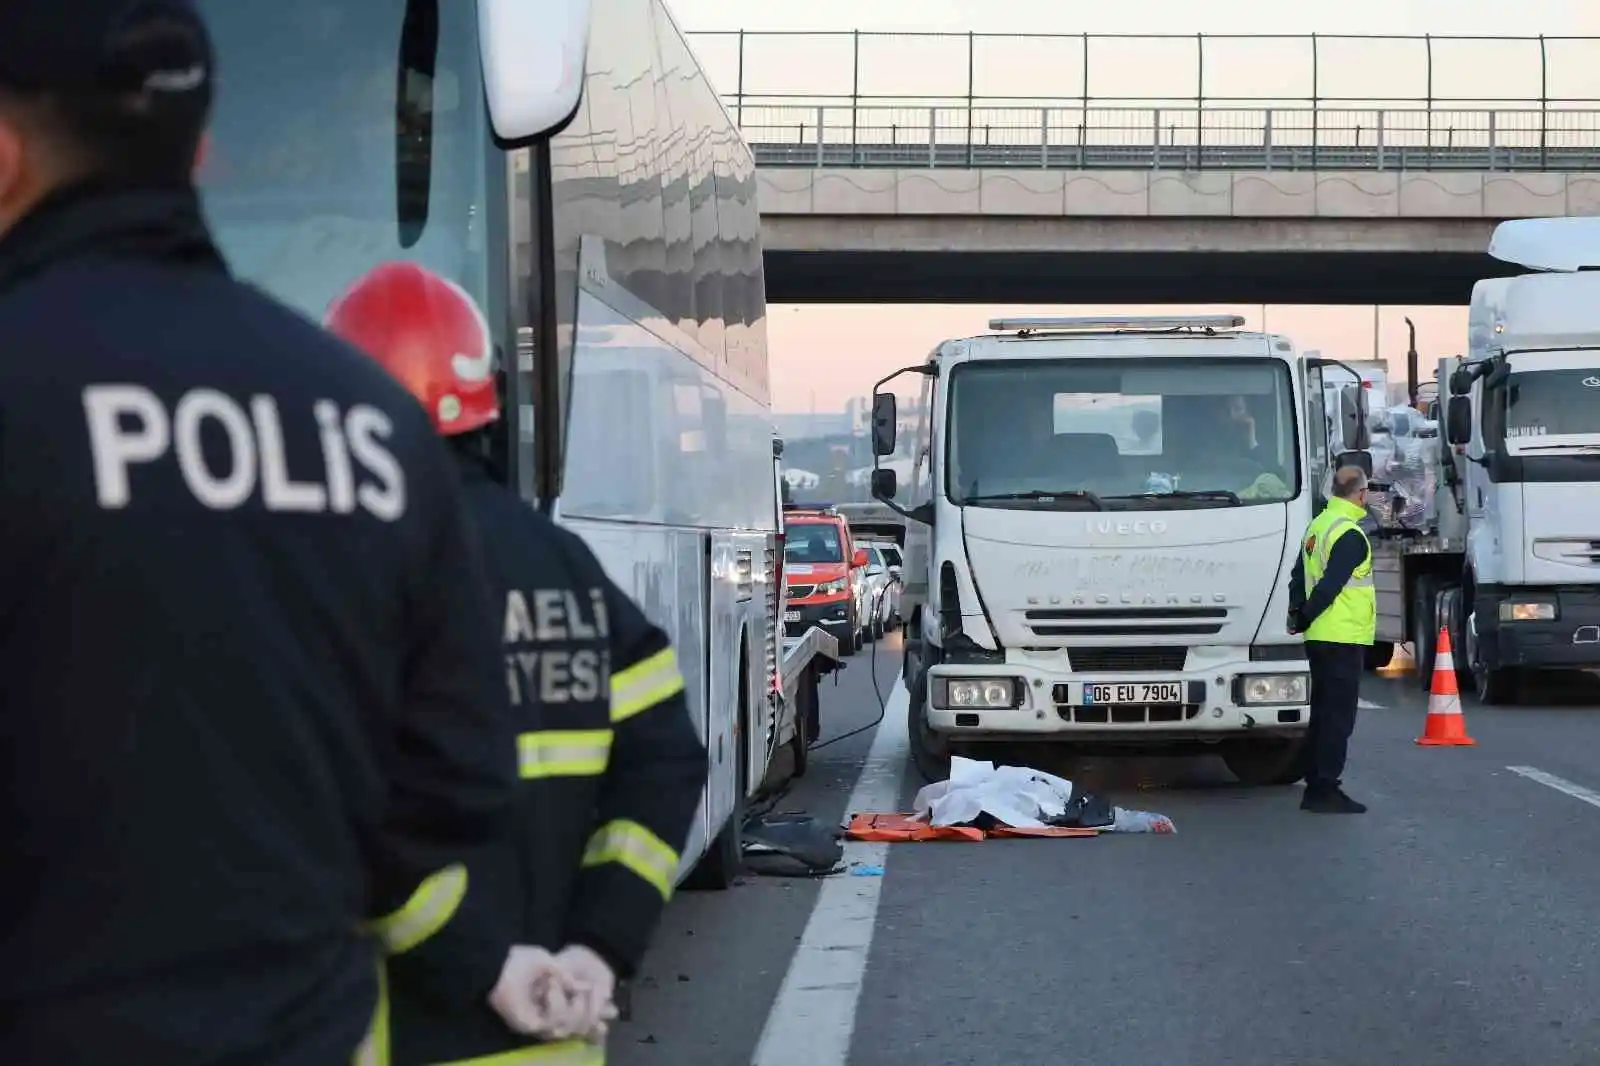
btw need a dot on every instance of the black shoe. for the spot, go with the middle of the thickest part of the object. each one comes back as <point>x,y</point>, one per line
<point>1330,801</point>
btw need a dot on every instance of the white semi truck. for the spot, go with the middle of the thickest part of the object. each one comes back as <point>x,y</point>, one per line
<point>1508,554</point>
<point>1109,509</point>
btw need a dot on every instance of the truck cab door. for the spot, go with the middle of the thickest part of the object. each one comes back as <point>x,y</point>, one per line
<point>1321,426</point>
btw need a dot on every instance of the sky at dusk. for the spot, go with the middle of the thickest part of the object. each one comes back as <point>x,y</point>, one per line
<point>822,355</point>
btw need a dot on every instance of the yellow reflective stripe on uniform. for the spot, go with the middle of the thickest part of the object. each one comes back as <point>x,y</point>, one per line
<point>563,753</point>
<point>374,1047</point>
<point>645,684</point>
<point>631,845</point>
<point>425,913</point>
<point>563,1053</point>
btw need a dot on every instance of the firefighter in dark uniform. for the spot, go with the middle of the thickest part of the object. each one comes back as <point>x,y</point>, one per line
<point>249,722</point>
<point>1332,602</point>
<point>611,765</point>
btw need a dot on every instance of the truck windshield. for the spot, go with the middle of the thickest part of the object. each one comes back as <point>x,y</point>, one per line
<point>348,133</point>
<point>1121,434</point>
<point>1552,403</point>
<point>812,543</point>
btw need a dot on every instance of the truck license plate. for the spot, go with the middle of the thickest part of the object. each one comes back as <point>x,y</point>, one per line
<point>1140,693</point>
<point>791,616</point>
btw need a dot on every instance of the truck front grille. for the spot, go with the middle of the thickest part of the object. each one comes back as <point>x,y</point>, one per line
<point>1129,660</point>
<point>1127,621</point>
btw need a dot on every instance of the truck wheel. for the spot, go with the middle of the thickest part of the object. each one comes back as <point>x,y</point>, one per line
<point>929,750</point>
<point>1379,654</point>
<point>805,697</point>
<point>1424,629</point>
<point>1274,761</point>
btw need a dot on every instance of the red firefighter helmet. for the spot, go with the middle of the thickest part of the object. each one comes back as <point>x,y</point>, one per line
<point>428,333</point>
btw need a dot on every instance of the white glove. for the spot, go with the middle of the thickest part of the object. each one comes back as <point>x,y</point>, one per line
<point>522,995</point>
<point>590,987</point>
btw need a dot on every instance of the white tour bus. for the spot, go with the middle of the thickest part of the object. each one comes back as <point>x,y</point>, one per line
<point>590,192</point>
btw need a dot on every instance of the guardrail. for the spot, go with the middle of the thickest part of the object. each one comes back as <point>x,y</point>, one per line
<point>1186,138</point>
<point>1243,101</point>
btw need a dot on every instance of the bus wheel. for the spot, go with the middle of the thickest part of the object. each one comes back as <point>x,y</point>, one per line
<point>723,861</point>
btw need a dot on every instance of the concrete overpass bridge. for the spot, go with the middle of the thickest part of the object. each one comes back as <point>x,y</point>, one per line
<point>1080,200</point>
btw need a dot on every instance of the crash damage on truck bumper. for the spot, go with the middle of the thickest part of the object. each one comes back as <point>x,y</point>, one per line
<point>1218,694</point>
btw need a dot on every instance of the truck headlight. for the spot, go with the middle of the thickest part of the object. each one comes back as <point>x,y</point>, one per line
<point>1527,612</point>
<point>978,693</point>
<point>1274,688</point>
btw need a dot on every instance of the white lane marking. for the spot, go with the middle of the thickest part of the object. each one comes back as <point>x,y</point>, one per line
<point>1367,705</point>
<point>1560,784</point>
<point>814,1017</point>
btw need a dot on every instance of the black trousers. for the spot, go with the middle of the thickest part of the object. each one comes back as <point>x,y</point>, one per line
<point>1335,689</point>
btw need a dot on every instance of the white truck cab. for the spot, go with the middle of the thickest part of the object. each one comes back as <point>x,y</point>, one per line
<point>1111,508</point>
<point>1512,562</point>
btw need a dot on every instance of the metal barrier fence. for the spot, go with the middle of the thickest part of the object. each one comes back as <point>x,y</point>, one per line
<point>1056,113</point>
<point>1172,137</point>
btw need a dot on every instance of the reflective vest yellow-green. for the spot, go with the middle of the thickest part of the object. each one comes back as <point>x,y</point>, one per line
<point>1352,618</point>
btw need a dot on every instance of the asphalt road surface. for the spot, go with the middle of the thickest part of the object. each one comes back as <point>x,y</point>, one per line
<point>1453,925</point>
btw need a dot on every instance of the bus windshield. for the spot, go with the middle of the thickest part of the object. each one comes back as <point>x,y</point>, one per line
<point>348,133</point>
<point>1127,433</point>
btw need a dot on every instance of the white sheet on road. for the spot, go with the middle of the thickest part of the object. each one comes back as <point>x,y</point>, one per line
<point>1016,795</point>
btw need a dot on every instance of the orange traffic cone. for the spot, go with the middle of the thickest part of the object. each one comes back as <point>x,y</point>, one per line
<point>1445,727</point>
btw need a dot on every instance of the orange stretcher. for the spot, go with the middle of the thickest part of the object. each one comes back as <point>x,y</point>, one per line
<point>904,828</point>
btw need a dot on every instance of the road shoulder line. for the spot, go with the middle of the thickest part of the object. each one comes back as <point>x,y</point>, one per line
<point>1560,784</point>
<point>813,1020</point>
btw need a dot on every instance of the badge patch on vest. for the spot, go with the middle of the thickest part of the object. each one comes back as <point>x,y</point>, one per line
<point>1310,545</point>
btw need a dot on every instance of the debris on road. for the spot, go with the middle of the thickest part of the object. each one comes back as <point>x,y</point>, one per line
<point>792,844</point>
<point>981,800</point>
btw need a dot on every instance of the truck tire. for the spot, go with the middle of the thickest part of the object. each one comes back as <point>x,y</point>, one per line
<point>929,751</point>
<point>1424,629</point>
<point>1268,761</point>
<point>805,696</point>
<point>1499,687</point>
<point>1379,655</point>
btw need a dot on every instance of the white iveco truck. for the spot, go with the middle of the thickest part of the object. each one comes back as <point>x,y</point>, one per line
<point>1507,554</point>
<point>1112,507</point>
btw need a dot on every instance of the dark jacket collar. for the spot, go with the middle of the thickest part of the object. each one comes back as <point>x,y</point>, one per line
<point>91,219</point>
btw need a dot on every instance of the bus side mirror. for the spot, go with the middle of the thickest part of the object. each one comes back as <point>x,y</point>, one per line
<point>884,483</point>
<point>884,418</point>
<point>1458,420</point>
<point>533,55</point>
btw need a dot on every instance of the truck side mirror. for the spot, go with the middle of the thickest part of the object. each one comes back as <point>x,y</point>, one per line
<point>1461,381</point>
<point>1355,457</point>
<point>884,483</point>
<point>884,419</point>
<point>1458,420</point>
<point>1353,410</point>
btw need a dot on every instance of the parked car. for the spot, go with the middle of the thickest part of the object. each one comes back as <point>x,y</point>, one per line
<point>883,576</point>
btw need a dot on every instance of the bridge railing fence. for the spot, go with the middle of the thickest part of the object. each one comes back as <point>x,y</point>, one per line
<point>959,126</point>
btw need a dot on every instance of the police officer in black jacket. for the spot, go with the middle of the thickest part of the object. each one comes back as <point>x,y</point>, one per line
<point>612,768</point>
<point>248,705</point>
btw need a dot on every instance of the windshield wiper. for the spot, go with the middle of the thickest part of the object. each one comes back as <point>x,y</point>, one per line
<point>1231,498</point>
<point>1041,494</point>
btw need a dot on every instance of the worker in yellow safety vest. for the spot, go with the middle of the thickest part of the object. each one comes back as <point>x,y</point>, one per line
<point>1333,603</point>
